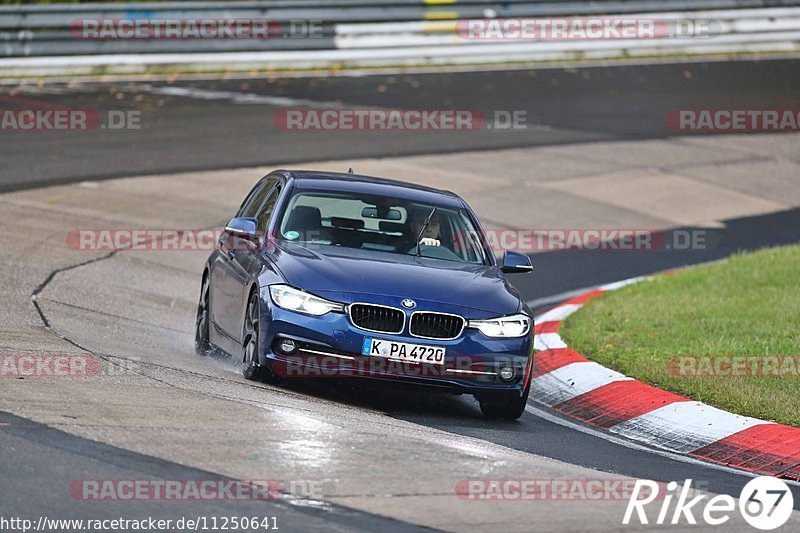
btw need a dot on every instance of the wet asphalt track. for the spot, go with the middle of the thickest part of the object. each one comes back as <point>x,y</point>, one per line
<point>45,457</point>
<point>571,105</point>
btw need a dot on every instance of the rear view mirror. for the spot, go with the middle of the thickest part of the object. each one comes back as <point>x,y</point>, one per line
<point>385,214</point>
<point>515,262</point>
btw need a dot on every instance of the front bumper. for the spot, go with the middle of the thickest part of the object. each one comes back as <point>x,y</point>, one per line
<point>330,346</point>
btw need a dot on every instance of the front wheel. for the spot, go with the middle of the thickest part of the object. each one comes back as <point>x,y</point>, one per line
<point>512,409</point>
<point>252,367</point>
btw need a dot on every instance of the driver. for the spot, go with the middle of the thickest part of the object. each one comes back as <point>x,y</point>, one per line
<point>431,235</point>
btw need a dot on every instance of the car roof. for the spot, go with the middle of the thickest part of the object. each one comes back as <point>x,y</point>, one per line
<point>339,181</point>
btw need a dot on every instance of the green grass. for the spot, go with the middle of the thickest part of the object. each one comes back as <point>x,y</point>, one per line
<point>748,305</point>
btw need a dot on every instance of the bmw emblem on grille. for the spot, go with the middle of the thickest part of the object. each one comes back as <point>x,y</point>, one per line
<point>408,303</point>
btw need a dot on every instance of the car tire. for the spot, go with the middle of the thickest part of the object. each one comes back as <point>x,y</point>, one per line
<point>253,370</point>
<point>202,346</point>
<point>509,410</point>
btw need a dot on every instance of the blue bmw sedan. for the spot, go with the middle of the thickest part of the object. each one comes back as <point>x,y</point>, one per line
<point>337,275</point>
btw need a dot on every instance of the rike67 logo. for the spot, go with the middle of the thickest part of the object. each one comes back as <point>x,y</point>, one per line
<point>766,503</point>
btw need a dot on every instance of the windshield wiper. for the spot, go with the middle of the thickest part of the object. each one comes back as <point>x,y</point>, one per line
<point>424,227</point>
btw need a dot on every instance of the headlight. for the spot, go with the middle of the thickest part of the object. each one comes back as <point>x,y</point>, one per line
<point>505,326</point>
<point>292,299</point>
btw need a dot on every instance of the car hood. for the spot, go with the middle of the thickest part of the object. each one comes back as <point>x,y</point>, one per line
<point>348,274</point>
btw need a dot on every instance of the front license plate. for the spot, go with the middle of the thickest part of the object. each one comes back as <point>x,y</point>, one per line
<point>403,351</point>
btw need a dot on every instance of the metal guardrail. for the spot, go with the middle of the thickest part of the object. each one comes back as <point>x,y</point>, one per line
<point>44,29</point>
<point>37,39</point>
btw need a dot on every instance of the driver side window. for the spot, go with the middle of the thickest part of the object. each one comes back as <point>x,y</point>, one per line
<point>251,205</point>
<point>265,213</point>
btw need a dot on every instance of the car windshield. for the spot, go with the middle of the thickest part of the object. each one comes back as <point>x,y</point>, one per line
<point>382,224</point>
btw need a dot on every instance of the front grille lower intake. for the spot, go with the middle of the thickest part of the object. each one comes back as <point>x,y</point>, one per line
<point>377,318</point>
<point>436,325</point>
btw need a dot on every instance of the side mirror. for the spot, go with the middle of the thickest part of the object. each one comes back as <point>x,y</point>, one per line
<point>515,262</point>
<point>244,228</point>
